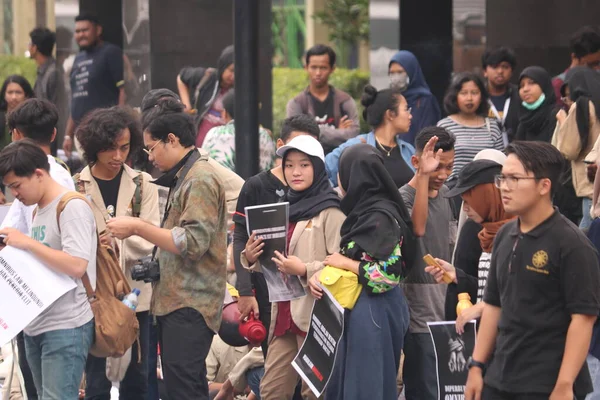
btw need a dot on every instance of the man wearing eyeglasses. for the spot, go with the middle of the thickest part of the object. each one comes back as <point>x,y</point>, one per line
<point>187,299</point>
<point>543,291</point>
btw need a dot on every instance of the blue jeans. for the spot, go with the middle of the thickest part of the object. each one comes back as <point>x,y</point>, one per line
<point>594,367</point>
<point>57,360</point>
<point>368,357</point>
<point>254,376</point>
<point>586,220</point>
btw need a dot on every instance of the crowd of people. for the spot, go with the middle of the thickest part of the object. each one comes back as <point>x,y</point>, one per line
<point>501,187</point>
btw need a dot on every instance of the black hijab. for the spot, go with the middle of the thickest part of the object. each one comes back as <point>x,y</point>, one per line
<point>584,86</point>
<point>319,196</point>
<point>377,219</point>
<point>538,124</point>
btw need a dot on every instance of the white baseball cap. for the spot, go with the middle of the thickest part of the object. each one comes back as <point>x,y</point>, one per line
<point>304,143</point>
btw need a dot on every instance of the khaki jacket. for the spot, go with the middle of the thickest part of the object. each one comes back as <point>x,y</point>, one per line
<point>134,247</point>
<point>232,183</point>
<point>566,139</point>
<point>311,242</point>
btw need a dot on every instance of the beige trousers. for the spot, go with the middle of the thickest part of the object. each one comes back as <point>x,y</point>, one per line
<point>280,380</point>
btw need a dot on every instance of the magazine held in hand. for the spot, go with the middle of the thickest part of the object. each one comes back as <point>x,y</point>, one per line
<point>270,223</point>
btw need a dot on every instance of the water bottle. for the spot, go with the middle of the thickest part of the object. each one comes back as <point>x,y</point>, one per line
<point>464,302</point>
<point>131,300</point>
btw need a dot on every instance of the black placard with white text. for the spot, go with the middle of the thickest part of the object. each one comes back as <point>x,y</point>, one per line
<point>452,352</point>
<point>315,360</point>
<point>270,222</point>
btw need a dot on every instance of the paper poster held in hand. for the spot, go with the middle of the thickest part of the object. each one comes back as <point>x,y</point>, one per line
<point>28,287</point>
<point>316,358</point>
<point>452,352</point>
<point>270,223</point>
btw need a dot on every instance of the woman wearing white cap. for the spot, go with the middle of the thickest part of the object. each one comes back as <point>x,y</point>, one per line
<point>315,220</point>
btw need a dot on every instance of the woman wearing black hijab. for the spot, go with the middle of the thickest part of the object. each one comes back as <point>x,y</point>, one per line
<point>315,220</point>
<point>376,244</point>
<point>537,114</point>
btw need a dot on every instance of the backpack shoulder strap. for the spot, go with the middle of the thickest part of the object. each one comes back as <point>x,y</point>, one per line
<point>136,201</point>
<point>90,293</point>
<point>62,203</point>
<point>67,197</point>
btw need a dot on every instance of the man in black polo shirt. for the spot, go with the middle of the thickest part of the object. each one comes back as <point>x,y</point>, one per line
<point>543,291</point>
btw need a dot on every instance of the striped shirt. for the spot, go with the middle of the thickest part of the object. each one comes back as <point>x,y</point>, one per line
<point>471,140</point>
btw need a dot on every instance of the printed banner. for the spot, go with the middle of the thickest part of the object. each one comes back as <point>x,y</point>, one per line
<point>315,360</point>
<point>27,288</point>
<point>452,352</point>
<point>270,222</point>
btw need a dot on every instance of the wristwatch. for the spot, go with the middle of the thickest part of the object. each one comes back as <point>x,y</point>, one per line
<point>472,363</point>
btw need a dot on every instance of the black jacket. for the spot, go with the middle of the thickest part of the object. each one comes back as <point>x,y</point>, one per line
<point>203,83</point>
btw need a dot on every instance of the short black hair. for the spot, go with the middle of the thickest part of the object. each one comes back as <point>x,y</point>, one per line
<point>445,141</point>
<point>585,41</point>
<point>376,103</point>
<point>229,103</point>
<point>35,119</point>
<point>88,17</point>
<point>19,80</point>
<point>23,158</point>
<point>164,105</point>
<point>493,57</point>
<point>319,50</point>
<point>178,123</point>
<point>44,39</point>
<point>101,128</point>
<point>299,123</point>
<point>153,96</point>
<point>451,97</point>
<point>540,158</point>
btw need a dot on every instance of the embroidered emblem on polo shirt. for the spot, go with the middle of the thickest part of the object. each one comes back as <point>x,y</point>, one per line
<point>539,261</point>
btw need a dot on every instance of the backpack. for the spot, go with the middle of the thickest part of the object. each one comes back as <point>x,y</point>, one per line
<point>116,325</point>
<point>136,201</point>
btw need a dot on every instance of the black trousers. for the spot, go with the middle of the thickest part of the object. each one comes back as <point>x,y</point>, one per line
<point>25,370</point>
<point>135,383</point>
<point>185,340</point>
<point>490,393</point>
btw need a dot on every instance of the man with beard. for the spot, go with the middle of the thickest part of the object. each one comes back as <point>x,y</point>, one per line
<point>333,109</point>
<point>498,66</point>
<point>97,75</point>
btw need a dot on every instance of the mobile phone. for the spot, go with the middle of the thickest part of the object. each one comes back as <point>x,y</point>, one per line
<point>429,260</point>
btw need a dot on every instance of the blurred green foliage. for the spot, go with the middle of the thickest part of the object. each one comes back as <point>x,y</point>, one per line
<point>13,65</point>
<point>288,82</point>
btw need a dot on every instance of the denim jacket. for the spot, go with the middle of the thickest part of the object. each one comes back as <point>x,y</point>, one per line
<point>332,159</point>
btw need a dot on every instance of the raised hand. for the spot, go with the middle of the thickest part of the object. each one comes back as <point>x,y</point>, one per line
<point>430,159</point>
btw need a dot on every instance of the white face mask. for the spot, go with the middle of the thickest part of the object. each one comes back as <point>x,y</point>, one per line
<point>399,81</point>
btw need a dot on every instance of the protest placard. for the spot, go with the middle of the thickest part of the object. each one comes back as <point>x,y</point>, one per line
<point>452,351</point>
<point>316,358</point>
<point>270,222</point>
<point>27,288</point>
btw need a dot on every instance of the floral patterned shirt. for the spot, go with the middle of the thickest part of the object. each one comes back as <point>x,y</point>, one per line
<point>220,144</point>
<point>377,276</point>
